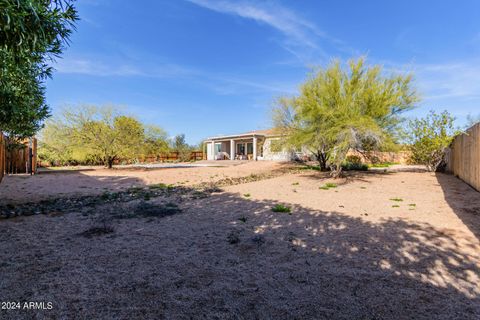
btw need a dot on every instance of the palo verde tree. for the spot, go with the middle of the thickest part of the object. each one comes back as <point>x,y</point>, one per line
<point>339,109</point>
<point>32,34</point>
<point>430,137</point>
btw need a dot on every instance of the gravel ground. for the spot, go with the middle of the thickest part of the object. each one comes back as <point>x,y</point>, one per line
<point>377,246</point>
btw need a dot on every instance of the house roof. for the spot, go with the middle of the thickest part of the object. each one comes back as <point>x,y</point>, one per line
<point>264,133</point>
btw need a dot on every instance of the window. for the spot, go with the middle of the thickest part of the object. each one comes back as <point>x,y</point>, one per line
<point>240,148</point>
<point>249,148</point>
<point>218,147</point>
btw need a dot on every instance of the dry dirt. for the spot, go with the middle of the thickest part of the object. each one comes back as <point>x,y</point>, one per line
<point>349,252</point>
<point>95,180</point>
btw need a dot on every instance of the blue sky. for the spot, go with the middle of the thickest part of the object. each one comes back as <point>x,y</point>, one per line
<point>206,67</point>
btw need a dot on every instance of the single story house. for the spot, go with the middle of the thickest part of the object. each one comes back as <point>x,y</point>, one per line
<point>254,145</point>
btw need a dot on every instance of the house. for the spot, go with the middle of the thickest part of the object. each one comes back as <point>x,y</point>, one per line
<point>254,145</point>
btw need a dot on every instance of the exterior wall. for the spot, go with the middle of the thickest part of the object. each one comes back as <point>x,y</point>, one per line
<point>275,156</point>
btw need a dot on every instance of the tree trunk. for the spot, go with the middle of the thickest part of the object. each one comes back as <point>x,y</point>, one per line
<point>322,160</point>
<point>110,162</point>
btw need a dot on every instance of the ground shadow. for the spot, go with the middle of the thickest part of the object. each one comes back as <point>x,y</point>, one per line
<point>463,199</point>
<point>227,257</point>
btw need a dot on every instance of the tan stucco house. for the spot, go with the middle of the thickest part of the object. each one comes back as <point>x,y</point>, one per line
<point>253,145</point>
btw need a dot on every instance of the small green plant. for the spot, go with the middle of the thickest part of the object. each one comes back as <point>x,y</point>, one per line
<point>363,187</point>
<point>247,195</point>
<point>295,183</point>
<point>396,199</point>
<point>328,186</point>
<point>412,205</point>
<point>281,208</point>
<point>395,206</point>
<point>382,164</point>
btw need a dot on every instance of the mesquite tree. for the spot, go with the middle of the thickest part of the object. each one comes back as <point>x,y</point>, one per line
<point>338,109</point>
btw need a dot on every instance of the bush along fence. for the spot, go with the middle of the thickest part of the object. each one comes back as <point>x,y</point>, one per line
<point>463,157</point>
<point>17,157</point>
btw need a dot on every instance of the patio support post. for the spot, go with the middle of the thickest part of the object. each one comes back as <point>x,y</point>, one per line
<point>213,150</point>
<point>254,148</point>
<point>232,149</point>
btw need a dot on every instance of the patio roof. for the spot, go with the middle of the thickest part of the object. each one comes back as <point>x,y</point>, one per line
<point>264,133</point>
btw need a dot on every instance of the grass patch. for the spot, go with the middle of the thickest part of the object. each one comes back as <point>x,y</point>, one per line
<point>412,205</point>
<point>328,186</point>
<point>281,208</point>
<point>396,199</point>
<point>160,186</point>
<point>246,195</point>
<point>295,183</point>
<point>363,187</point>
<point>395,206</point>
<point>382,165</point>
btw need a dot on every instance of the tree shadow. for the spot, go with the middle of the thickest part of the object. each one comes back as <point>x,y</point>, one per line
<point>463,199</point>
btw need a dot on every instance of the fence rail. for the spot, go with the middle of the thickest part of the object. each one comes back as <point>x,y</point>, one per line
<point>463,158</point>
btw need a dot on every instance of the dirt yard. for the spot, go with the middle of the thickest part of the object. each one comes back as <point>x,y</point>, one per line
<point>371,246</point>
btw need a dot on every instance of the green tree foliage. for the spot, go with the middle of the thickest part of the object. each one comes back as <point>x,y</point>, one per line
<point>339,109</point>
<point>430,137</point>
<point>32,34</point>
<point>89,134</point>
<point>180,145</point>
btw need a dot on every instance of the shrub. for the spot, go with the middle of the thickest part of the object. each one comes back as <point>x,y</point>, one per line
<point>430,137</point>
<point>350,166</point>
<point>353,159</point>
<point>281,208</point>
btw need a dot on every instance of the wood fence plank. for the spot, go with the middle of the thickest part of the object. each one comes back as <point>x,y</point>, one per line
<point>463,158</point>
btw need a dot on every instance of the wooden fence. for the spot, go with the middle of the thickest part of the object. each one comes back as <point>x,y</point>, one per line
<point>463,158</point>
<point>17,158</point>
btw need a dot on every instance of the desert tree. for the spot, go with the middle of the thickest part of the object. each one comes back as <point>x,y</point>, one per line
<point>430,137</point>
<point>32,34</point>
<point>101,133</point>
<point>338,109</point>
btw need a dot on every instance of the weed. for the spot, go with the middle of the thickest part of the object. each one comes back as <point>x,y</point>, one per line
<point>281,208</point>
<point>395,206</point>
<point>247,195</point>
<point>412,205</point>
<point>363,187</point>
<point>328,185</point>
<point>396,199</point>
<point>295,183</point>
<point>158,186</point>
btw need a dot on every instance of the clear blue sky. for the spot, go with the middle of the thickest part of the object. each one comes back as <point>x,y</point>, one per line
<point>207,67</point>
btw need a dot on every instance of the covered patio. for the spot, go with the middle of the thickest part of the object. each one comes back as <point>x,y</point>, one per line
<point>247,146</point>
